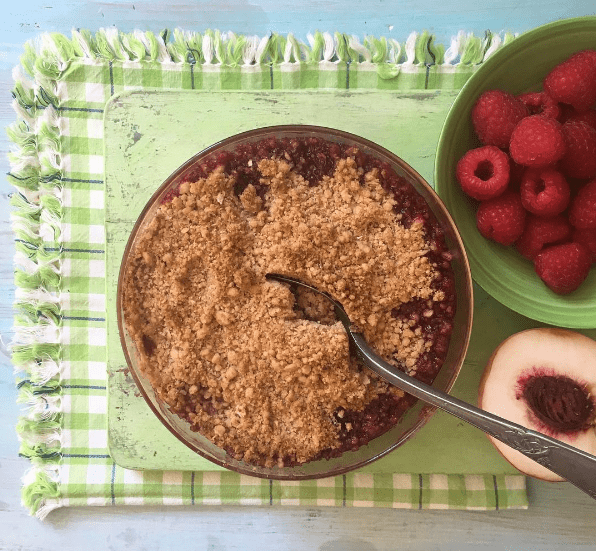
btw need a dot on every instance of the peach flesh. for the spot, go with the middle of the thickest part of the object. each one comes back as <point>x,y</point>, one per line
<point>556,370</point>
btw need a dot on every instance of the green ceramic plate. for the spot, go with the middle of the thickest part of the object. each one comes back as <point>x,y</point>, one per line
<point>502,271</point>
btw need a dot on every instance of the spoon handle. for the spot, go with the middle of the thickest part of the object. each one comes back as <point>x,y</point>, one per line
<point>576,466</point>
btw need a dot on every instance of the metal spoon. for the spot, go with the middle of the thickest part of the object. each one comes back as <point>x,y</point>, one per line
<point>576,466</point>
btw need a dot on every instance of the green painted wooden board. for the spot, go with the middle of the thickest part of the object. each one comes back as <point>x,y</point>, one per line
<point>148,134</point>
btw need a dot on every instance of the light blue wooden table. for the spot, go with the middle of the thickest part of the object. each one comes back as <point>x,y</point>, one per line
<point>560,517</point>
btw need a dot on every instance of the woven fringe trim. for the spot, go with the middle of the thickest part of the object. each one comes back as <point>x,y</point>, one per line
<point>36,174</point>
<point>50,55</point>
<point>40,490</point>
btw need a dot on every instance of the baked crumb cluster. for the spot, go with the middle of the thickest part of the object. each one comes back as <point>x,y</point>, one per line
<point>261,371</point>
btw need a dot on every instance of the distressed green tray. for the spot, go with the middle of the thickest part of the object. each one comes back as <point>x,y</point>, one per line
<point>148,134</point>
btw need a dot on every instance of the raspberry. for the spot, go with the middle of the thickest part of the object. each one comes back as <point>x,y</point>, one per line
<point>502,218</point>
<point>544,191</point>
<point>516,173</point>
<point>574,80</point>
<point>579,160</point>
<point>540,103</point>
<point>563,267</point>
<point>589,117</point>
<point>483,172</point>
<point>582,213</point>
<point>588,239</point>
<point>541,231</point>
<point>537,141</point>
<point>566,112</point>
<point>495,115</point>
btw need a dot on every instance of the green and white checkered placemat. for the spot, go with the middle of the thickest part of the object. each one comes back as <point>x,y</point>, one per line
<point>57,168</point>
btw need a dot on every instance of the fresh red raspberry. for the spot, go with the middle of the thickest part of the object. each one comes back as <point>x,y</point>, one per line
<point>544,191</point>
<point>540,231</point>
<point>483,172</point>
<point>516,173</point>
<point>582,213</point>
<point>495,115</point>
<point>588,239</point>
<point>502,218</point>
<point>589,117</point>
<point>579,160</point>
<point>566,112</point>
<point>575,185</point>
<point>537,141</point>
<point>574,80</point>
<point>540,103</point>
<point>563,267</point>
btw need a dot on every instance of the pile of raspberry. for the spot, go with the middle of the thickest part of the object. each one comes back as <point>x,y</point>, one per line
<point>535,174</point>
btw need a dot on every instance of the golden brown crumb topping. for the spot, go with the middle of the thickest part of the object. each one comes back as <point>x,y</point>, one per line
<point>227,348</point>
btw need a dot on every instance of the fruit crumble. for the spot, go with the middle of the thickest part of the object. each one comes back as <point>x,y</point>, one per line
<point>261,370</point>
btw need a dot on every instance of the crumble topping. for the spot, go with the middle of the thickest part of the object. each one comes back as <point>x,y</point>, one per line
<point>239,356</point>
